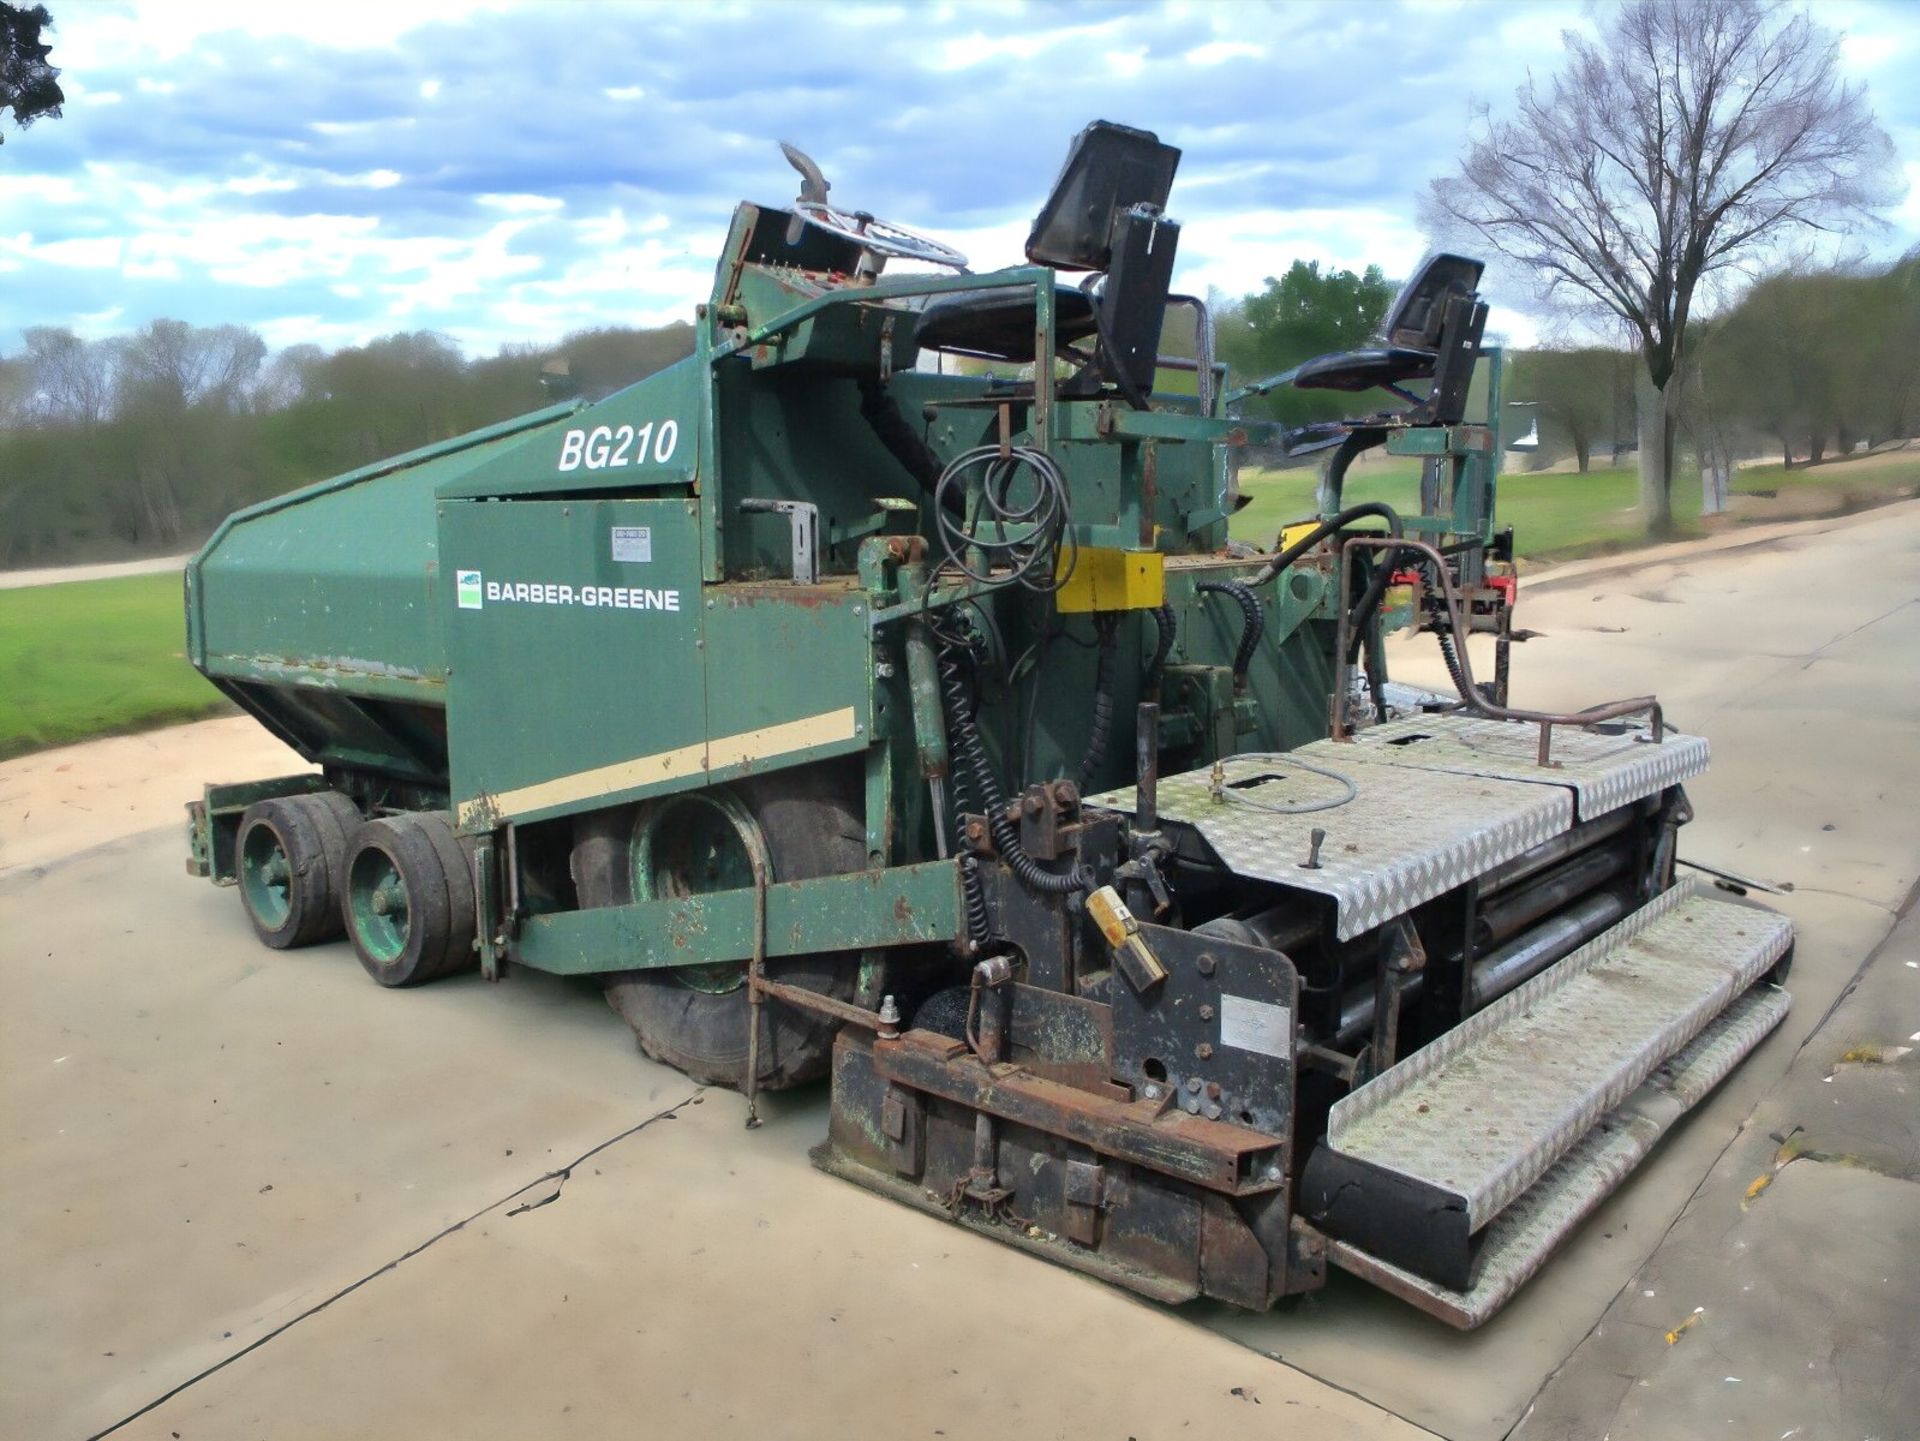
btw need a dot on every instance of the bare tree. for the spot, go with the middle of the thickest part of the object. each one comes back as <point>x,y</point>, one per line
<point>69,379</point>
<point>1693,136</point>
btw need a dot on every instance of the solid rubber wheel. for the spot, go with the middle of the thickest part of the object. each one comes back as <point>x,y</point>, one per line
<point>407,899</point>
<point>695,1018</point>
<point>290,855</point>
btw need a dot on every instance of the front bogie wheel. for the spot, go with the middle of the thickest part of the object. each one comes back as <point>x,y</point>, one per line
<point>290,855</point>
<point>696,1018</point>
<point>408,899</point>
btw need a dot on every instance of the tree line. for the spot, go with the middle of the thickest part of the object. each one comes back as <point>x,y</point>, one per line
<point>1811,363</point>
<point>140,444</point>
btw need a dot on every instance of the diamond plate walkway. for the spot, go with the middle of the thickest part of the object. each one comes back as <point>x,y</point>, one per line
<point>1651,1014</point>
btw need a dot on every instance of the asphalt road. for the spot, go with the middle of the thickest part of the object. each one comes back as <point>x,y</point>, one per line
<point>250,1194</point>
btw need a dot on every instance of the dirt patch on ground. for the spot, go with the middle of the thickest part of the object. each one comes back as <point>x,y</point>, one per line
<point>60,574</point>
<point>58,802</point>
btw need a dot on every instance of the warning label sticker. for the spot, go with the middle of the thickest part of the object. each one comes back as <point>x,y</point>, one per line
<point>633,542</point>
<point>1249,1025</point>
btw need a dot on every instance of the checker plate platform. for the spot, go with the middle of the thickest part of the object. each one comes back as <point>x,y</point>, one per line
<point>1481,1113</point>
<point>1409,833</point>
<point>1604,768</point>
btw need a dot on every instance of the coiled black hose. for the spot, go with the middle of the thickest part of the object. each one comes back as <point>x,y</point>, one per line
<point>1456,672</point>
<point>1252,626</point>
<point>1163,624</point>
<point>1101,732</point>
<point>973,899</point>
<point>964,736</point>
<point>1029,544</point>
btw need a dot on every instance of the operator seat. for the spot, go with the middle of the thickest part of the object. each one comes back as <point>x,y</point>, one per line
<point>1432,333</point>
<point>998,323</point>
<point>1105,215</point>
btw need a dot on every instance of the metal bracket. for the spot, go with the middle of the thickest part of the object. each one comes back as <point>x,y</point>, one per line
<point>803,521</point>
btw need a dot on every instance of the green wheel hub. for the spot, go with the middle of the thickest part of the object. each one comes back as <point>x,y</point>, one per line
<point>377,907</point>
<point>265,875</point>
<point>689,846</point>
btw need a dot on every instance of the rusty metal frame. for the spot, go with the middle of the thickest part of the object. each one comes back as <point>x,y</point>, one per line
<point>1470,698</point>
<point>1215,1155</point>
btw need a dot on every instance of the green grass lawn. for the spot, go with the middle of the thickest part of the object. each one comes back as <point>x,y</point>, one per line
<point>93,658</point>
<point>1553,516</point>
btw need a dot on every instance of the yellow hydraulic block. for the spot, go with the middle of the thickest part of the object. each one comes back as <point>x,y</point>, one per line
<point>1105,579</point>
<point>1290,533</point>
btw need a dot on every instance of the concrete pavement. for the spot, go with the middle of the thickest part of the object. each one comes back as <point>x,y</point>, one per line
<point>212,1147</point>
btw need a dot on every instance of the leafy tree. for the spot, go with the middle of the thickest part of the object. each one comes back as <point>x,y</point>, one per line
<point>29,86</point>
<point>1304,313</point>
<point>1813,357</point>
<point>1694,136</point>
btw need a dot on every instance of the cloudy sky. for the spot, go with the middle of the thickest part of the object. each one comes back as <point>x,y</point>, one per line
<point>333,171</point>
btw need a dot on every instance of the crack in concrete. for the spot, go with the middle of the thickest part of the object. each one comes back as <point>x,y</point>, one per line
<point>561,1174</point>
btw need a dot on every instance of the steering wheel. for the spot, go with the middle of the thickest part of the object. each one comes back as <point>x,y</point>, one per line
<point>882,237</point>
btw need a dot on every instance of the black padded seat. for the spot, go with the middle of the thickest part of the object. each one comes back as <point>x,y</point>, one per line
<point>998,322</point>
<point>1364,369</point>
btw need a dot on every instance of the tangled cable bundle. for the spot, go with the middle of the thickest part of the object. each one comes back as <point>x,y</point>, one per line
<point>1021,540</point>
<point>973,771</point>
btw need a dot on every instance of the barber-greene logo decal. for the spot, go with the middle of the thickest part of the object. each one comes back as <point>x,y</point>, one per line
<point>467,584</point>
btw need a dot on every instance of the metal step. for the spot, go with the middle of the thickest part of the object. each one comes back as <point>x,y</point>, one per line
<point>1522,1237</point>
<point>1420,1161</point>
<point>1484,1110</point>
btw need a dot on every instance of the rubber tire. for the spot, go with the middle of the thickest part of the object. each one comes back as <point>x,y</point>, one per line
<point>945,1013</point>
<point>435,867</point>
<point>312,832</point>
<point>811,828</point>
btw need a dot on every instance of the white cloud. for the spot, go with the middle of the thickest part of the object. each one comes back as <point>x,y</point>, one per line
<point>19,190</point>
<point>1218,52</point>
<point>261,184</point>
<point>1908,214</point>
<point>520,204</point>
<point>101,252</point>
<point>330,173</point>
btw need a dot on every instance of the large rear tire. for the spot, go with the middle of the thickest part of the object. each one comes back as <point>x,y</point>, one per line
<point>291,859</point>
<point>407,899</point>
<point>695,1018</point>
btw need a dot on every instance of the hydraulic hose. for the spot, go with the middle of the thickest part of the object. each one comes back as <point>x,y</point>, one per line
<point>1252,626</point>
<point>903,443</point>
<point>973,899</point>
<point>1163,624</point>
<point>1454,670</point>
<point>1321,531</point>
<point>1101,731</point>
<point>964,734</point>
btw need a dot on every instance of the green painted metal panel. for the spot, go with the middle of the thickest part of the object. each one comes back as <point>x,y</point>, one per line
<point>907,905</point>
<point>335,587</point>
<point>644,437</point>
<point>779,656</point>
<point>574,631</point>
